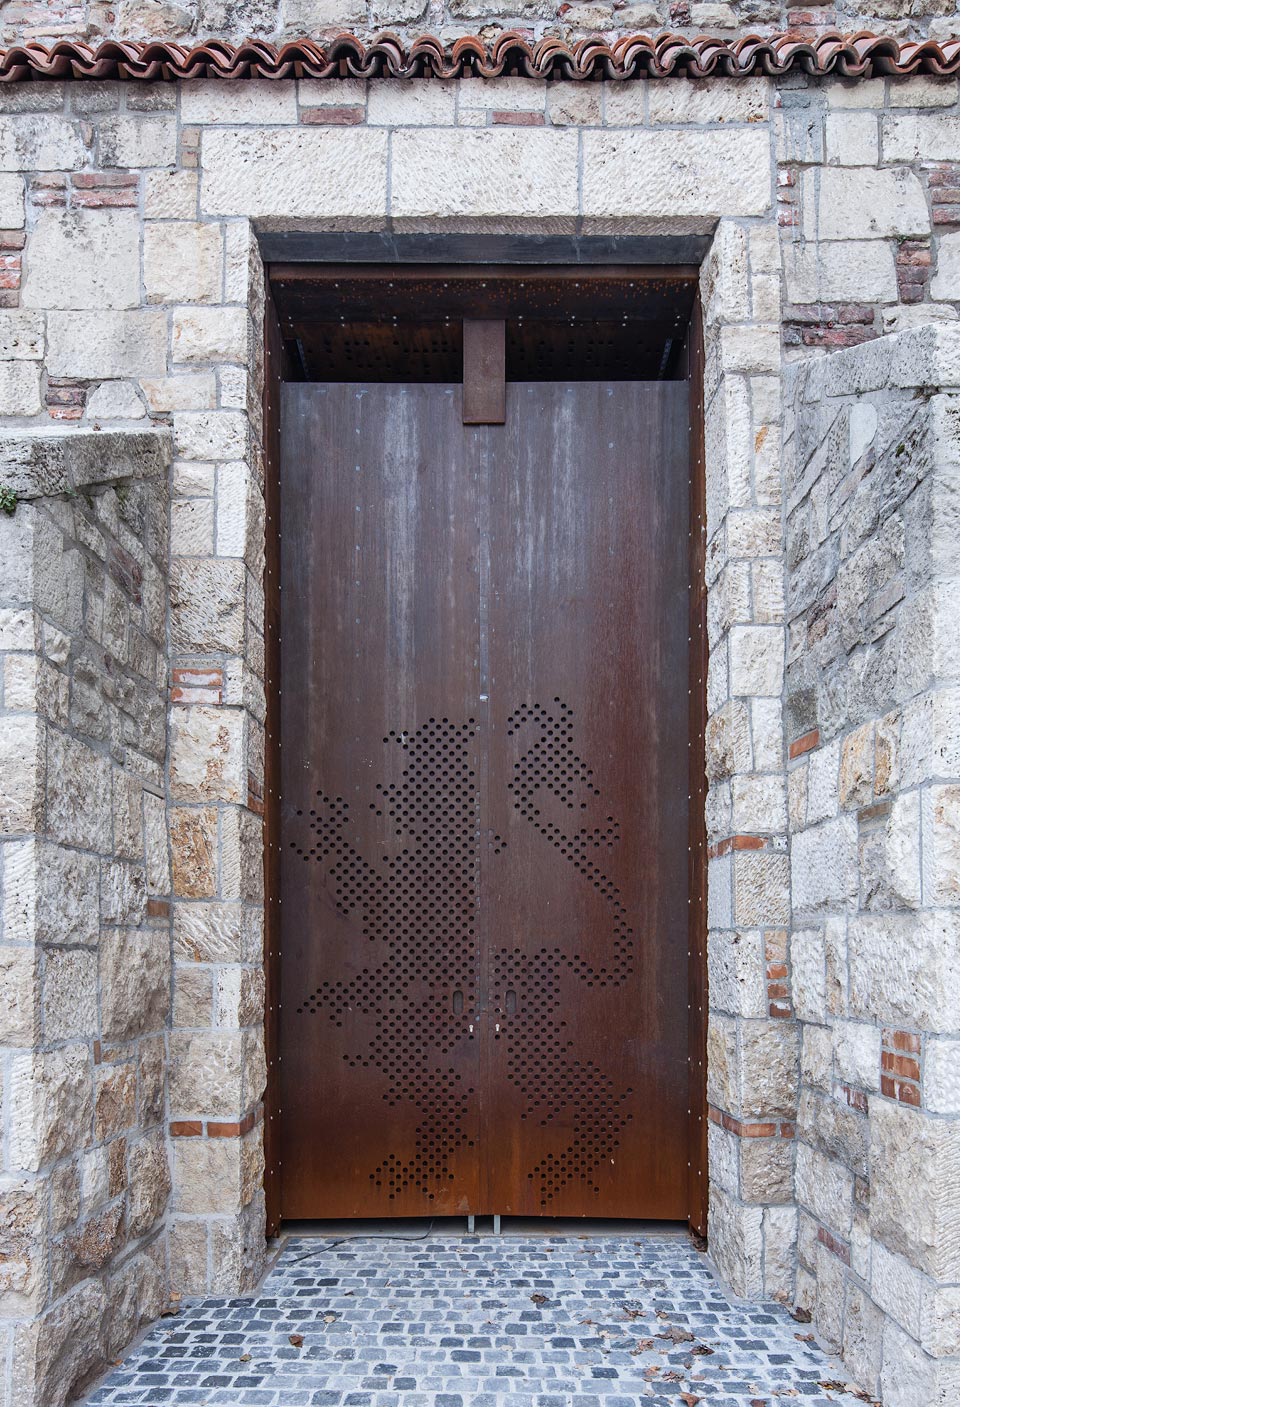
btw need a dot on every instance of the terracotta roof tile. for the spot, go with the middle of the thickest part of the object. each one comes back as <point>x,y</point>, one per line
<point>632,56</point>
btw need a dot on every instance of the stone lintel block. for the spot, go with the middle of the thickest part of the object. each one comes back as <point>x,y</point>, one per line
<point>51,460</point>
<point>687,173</point>
<point>485,171</point>
<point>294,173</point>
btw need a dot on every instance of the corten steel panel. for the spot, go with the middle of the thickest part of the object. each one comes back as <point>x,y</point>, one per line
<point>485,702</point>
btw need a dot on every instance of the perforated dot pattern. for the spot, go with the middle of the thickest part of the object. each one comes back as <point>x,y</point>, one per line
<point>418,903</point>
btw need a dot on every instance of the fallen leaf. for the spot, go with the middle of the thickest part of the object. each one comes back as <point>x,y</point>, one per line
<point>689,1399</point>
<point>330,1318</point>
<point>246,1358</point>
<point>802,1316</point>
<point>832,1386</point>
<point>702,1350</point>
<point>805,1338</point>
<point>538,1299</point>
<point>296,1340</point>
<point>676,1334</point>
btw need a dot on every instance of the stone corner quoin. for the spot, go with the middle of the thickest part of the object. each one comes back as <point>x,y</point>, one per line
<point>133,657</point>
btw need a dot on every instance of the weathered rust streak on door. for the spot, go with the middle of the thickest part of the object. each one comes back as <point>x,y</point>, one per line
<point>485,815</point>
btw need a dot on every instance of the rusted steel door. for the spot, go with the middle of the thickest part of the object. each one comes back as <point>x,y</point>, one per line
<point>484,815</point>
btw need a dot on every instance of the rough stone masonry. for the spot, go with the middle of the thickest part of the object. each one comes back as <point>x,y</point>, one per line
<point>131,636</point>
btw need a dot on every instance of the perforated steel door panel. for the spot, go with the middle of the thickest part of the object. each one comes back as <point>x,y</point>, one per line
<point>484,676</point>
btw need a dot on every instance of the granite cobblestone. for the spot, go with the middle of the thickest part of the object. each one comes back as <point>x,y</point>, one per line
<point>477,1321</point>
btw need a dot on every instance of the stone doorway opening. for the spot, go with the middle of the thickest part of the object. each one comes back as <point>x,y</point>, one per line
<point>556,411</point>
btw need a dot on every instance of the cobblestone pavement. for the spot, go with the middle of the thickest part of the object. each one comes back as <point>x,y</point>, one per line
<point>479,1321</point>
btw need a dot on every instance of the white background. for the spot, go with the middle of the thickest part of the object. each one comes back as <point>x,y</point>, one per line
<point>1121,556</point>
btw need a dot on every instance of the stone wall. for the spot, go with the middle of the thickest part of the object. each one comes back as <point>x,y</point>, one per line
<point>84,887</point>
<point>184,20</point>
<point>131,295</point>
<point>872,710</point>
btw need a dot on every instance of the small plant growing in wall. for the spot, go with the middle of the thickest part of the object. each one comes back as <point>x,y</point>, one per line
<point>8,501</point>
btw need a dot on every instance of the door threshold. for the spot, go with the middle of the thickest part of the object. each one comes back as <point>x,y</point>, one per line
<point>418,1229</point>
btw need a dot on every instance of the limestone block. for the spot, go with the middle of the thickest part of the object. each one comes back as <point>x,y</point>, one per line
<point>485,171</point>
<point>105,346</point>
<point>210,335</point>
<point>194,841</point>
<point>79,808</point>
<point>930,744</point>
<point>136,1294</point>
<point>217,933</point>
<point>240,993</point>
<point>856,1047</point>
<point>703,101</point>
<point>208,605</point>
<point>210,1075</point>
<point>69,998</point>
<point>502,94</point>
<point>220,434</point>
<point>13,213</point>
<point>853,139</point>
<point>20,388</point>
<point>808,976</point>
<point>51,895</point>
<point>904,969</point>
<point>940,849</point>
<point>115,400</point>
<point>23,1244</point>
<point>823,786</point>
<point>257,102</point>
<point>575,104</point>
<point>189,1255</point>
<point>920,136</point>
<point>863,1332</point>
<point>909,1377</point>
<point>838,270</point>
<point>133,141</point>
<point>722,1060</point>
<point>750,347</point>
<point>889,857</point>
<point>238,501</point>
<point>897,1288</point>
<point>86,1248</point>
<point>915,1187</point>
<point>946,277</point>
<point>683,174</point>
<point>21,335</point>
<point>50,1107</point>
<point>294,173</point>
<point>736,981</point>
<point>940,1319</point>
<point>55,1354</point>
<point>82,258</point>
<point>923,90</point>
<point>19,997</point>
<point>830,1294</point>
<point>134,981</point>
<point>408,102</point>
<point>182,262</point>
<point>769,1070</point>
<point>207,754</point>
<point>216,1174</point>
<point>42,142</point>
<point>831,1127</point>
<point>735,1236</point>
<point>759,804</point>
<point>780,1253</point>
<point>22,762</point>
<point>722,1158</point>
<point>172,195</point>
<point>761,889</point>
<point>240,856</point>
<point>824,866</point>
<point>191,526</point>
<point>756,659</point>
<point>766,1169</point>
<point>115,1100</point>
<point>940,1073</point>
<point>868,203</point>
<point>237,1248</point>
<point>767,743</point>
